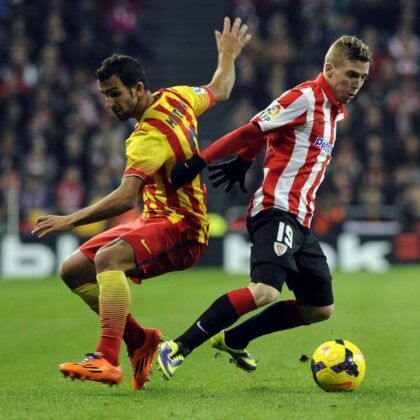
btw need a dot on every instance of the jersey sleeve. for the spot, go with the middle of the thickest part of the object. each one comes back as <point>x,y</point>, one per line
<point>233,142</point>
<point>250,152</point>
<point>200,98</point>
<point>146,153</point>
<point>288,111</point>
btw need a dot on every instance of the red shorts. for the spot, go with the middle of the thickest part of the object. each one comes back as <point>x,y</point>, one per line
<point>160,246</point>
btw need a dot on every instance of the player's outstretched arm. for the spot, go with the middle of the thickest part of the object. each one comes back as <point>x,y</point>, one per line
<point>229,173</point>
<point>234,171</point>
<point>124,198</point>
<point>230,43</point>
<point>228,145</point>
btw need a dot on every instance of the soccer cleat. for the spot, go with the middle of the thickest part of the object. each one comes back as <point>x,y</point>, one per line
<point>93,368</point>
<point>240,358</point>
<point>169,358</point>
<point>142,358</point>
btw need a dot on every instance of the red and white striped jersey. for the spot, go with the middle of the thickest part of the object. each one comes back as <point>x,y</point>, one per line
<point>300,128</point>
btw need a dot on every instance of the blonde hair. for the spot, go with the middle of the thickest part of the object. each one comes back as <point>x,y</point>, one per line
<point>347,47</point>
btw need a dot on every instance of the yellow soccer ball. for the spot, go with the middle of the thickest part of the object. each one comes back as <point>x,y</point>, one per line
<point>338,366</point>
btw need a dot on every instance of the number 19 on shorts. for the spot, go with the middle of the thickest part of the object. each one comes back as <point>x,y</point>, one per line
<point>285,234</point>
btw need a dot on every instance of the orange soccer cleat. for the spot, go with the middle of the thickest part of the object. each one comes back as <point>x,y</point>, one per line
<point>142,358</point>
<point>93,368</point>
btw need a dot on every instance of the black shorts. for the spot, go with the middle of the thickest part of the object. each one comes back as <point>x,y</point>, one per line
<point>283,250</point>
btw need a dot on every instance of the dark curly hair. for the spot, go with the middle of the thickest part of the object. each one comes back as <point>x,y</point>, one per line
<point>127,68</point>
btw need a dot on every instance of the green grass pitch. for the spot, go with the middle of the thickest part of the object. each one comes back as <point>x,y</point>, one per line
<point>43,324</point>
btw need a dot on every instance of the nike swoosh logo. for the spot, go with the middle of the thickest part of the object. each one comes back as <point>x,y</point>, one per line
<point>143,242</point>
<point>201,328</point>
<point>165,356</point>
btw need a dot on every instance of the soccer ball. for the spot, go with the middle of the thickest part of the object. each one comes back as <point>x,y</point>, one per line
<point>338,366</point>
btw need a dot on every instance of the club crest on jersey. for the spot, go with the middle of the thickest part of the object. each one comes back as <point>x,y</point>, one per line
<point>323,145</point>
<point>280,248</point>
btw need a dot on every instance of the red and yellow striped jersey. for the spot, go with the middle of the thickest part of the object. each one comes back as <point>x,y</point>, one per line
<point>165,135</point>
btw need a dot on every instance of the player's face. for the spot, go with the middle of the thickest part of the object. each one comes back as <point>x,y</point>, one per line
<point>120,99</point>
<point>347,79</point>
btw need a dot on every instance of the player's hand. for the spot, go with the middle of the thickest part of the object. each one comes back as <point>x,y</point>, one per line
<point>233,171</point>
<point>184,172</point>
<point>233,38</point>
<point>46,225</point>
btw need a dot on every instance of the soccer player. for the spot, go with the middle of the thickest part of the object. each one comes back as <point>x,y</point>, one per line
<point>298,130</point>
<point>172,232</point>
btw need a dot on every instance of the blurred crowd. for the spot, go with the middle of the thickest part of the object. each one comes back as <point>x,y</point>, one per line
<point>58,145</point>
<point>62,150</point>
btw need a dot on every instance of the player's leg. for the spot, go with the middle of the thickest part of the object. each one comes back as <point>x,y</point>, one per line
<point>222,313</point>
<point>79,274</point>
<point>160,246</point>
<point>278,316</point>
<point>111,262</point>
<point>264,288</point>
<point>313,314</point>
<point>228,308</point>
<point>133,335</point>
<point>314,298</point>
<point>314,291</point>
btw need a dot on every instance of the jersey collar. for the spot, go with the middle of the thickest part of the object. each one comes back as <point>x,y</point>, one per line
<point>321,81</point>
<point>157,96</point>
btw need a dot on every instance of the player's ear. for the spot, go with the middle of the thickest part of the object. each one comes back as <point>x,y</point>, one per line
<point>329,69</point>
<point>139,89</point>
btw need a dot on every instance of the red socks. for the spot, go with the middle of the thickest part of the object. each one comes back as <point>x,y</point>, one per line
<point>242,300</point>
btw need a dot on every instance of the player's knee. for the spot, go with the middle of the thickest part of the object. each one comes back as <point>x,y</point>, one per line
<point>105,260</point>
<point>116,256</point>
<point>69,273</point>
<point>77,270</point>
<point>323,313</point>
<point>318,314</point>
<point>263,294</point>
<point>64,272</point>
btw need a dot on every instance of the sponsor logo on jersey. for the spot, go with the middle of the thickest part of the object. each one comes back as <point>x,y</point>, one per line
<point>280,248</point>
<point>323,145</point>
